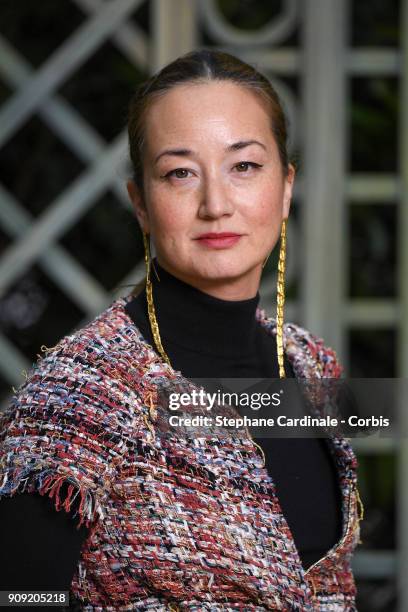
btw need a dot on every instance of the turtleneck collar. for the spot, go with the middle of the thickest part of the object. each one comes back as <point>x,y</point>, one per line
<point>193,319</point>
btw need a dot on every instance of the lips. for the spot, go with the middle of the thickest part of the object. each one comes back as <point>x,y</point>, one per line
<point>218,235</point>
<point>219,240</point>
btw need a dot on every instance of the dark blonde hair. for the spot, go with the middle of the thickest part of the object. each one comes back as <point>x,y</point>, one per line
<point>198,67</point>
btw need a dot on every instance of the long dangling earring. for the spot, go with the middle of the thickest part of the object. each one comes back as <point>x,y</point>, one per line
<point>281,300</point>
<point>150,305</point>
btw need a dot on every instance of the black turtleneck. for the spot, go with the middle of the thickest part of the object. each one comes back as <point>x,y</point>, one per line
<point>204,337</point>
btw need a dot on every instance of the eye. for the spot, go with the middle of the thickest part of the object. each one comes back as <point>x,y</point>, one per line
<point>244,166</point>
<point>180,173</point>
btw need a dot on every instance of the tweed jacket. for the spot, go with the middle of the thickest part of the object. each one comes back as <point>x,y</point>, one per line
<point>175,524</point>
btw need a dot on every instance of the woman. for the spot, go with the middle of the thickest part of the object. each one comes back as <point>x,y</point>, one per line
<point>166,522</point>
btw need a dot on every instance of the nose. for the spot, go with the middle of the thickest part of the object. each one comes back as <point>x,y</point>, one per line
<point>215,200</point>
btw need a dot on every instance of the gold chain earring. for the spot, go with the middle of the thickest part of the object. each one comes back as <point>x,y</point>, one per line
<point>150,305</point>
<point>281,299</point>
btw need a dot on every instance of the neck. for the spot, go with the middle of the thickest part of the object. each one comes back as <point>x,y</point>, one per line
<point>193,318</point>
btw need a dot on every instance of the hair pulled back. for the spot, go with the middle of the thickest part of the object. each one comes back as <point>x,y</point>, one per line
<point>200,67</point>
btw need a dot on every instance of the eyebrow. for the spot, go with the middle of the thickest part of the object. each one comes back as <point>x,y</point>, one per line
<point>236,146</point>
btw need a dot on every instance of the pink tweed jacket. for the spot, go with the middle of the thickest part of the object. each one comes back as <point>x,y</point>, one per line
<point>175,524</point>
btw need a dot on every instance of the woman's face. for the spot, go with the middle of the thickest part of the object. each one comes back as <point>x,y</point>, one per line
<point>212,166</point>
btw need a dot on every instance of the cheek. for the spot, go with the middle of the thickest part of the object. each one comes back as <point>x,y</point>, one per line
<point>167,217</point>
<point>265,215</point>
<point>274,191</point>
<point>266,209</point>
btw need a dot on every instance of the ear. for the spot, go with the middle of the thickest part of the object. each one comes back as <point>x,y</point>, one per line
<point>288,190</point>
<point>139,207</point>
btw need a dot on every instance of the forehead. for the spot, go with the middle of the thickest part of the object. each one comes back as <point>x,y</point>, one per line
<point>206,111</point>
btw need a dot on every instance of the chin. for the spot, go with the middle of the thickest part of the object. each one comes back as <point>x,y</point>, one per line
<point>216,271</point>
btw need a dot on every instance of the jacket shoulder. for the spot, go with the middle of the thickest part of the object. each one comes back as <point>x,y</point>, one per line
<point>312,351</point>
<point>96,339</point>
<point>64,430</point>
